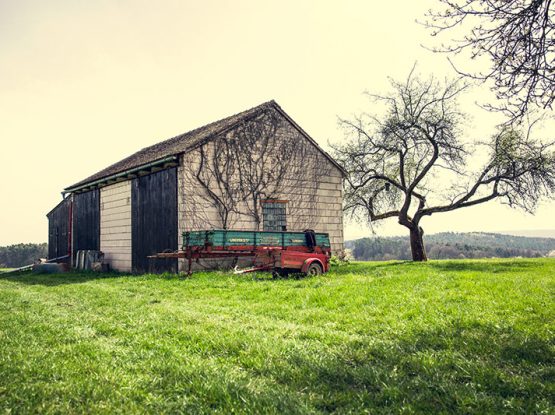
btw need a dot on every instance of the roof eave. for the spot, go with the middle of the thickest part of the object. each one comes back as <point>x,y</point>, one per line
<point>168,161</point>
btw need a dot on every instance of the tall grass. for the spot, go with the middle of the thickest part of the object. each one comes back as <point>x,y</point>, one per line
<point>446,336</point>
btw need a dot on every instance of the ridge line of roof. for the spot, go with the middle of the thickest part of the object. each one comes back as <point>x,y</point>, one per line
<point>312,140</point>
<point>99,174</point>
<point>256,107</point>
<point>165,149</point>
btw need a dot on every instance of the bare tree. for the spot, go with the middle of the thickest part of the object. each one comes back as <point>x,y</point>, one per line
<point>261,159</point>
<point>516,36</point>
<point>397,163</point>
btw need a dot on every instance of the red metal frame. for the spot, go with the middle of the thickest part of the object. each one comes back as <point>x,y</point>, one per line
<point>269,258</point>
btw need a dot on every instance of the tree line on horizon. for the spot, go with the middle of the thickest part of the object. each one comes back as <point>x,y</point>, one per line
<point>19,255</point>
<point>452,245</point>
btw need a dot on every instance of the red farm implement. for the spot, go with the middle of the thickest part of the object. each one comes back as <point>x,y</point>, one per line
<point>281,253</point>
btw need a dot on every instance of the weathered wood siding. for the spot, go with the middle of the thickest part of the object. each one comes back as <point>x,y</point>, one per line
<point>154,220</point>
<point>86,220</point>
<point>58,229</point>
<point>115,225</point>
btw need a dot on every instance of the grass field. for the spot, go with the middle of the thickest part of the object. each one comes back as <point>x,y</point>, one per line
<point>446,336</point>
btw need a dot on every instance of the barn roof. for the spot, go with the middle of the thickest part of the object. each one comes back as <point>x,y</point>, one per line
<point>162,151</point>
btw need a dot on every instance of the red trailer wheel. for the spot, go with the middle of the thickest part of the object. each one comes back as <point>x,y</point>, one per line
<point>314,269</point>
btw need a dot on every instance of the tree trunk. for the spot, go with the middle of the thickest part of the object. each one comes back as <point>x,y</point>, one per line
<point>417,244</point>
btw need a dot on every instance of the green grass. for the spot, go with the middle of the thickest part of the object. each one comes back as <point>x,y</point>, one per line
<point>446,336</point>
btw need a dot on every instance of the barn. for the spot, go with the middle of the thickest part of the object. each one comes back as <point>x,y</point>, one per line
<point>256,170</point>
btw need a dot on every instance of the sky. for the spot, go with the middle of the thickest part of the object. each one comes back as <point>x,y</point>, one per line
<point>84,84</point>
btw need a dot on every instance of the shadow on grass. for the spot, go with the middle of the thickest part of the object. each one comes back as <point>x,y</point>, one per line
<point>477,265</point>
<point>465,368</point>
<point>366,267</point>
<point>283,277</point>
<point>50,280</point>
<point>493,267</point>
<point>80,277</point>
<point>458,369</point>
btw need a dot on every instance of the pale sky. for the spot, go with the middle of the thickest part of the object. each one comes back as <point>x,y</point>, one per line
<point>84,84</point>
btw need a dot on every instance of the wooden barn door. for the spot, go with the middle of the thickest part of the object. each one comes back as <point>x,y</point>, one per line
<point>154,220</point>
<point>58,230</point>
<point>86,221</point>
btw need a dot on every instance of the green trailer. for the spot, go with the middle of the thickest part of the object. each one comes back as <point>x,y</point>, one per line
<point>230,239</point>
<point>281,253</point>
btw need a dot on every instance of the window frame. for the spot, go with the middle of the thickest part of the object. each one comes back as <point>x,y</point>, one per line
<point>278,221</point>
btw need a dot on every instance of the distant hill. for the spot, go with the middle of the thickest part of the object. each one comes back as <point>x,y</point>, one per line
<point>449,245</point>
<point>532,233</point>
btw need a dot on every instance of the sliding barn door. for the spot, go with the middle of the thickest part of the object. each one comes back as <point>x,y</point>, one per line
<point>86,221</point>
<point>154,220</point>
<point>59,220</point>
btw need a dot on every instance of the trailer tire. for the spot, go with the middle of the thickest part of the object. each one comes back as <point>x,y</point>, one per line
<point>314,269</point>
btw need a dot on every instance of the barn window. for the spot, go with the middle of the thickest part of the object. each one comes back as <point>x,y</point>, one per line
<point>274,215</point>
